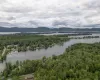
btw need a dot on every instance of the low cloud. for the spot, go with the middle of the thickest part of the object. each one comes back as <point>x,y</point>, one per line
<point>64,13</point>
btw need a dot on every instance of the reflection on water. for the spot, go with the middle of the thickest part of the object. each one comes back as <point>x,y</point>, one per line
<point>38,54</point>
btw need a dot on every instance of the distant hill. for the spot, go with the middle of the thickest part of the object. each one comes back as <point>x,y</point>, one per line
<point>45,29</point>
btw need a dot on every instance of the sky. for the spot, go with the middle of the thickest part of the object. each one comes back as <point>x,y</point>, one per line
<point>49,13</point>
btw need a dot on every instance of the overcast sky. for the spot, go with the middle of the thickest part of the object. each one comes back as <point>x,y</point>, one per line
<point>50,13</point>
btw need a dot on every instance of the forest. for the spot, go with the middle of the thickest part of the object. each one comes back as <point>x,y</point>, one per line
<point>84,37</point>
<point>78,62</point>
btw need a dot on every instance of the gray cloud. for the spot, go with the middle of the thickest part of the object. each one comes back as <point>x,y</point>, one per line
<point>67,13</point>
<point>95,4</point>
<point>57,23</point>
<point>2,1</point>
<point>18,9</point>
<point>11,18</point>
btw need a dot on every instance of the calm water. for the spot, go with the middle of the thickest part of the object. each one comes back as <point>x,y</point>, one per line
<point>55,50</point>
<point>4,33</point>
<point>38,54</point>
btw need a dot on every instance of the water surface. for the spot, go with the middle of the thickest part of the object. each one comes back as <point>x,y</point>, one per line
<point>55,50</point>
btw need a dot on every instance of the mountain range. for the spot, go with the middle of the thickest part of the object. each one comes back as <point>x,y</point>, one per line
<point>47,30</point>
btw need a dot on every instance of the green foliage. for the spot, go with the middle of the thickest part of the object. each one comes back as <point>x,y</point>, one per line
<point>79,62</point>
<point>25,42</point>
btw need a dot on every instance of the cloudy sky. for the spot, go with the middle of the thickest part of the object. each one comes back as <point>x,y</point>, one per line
<point>50,13</point>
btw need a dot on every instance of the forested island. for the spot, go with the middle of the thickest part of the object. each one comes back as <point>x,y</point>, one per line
<point>79,62</point>
<point>25,42</point>
<point>84,37</point>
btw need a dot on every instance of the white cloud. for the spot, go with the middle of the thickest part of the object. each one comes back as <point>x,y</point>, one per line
<point>50,12</point>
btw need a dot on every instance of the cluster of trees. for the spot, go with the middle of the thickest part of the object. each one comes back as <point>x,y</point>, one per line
<point>24,42</point>
<point>91,37</point>
<point>79,62</point>
<point>87,37</point>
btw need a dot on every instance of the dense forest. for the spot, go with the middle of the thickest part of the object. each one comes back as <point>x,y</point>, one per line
<point>84,37</point>
<point>25,42</point>
<point>79,62</point>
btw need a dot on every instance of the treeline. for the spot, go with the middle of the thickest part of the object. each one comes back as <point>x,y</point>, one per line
<point>84,37</point>
<point>79,62</point>
<point>24,40</point>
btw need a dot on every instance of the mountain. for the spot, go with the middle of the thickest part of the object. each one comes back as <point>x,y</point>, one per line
<point>47,30</point>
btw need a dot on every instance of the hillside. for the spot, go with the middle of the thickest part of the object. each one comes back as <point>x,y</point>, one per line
<point>45,29</point>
